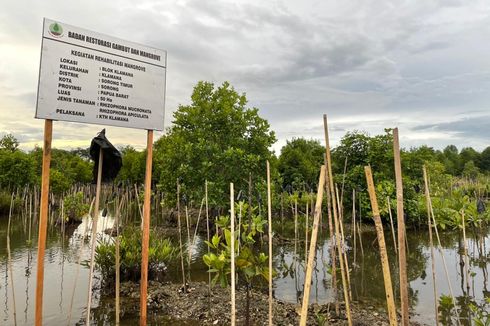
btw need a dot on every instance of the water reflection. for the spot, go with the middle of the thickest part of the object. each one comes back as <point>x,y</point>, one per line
<point>66,280</point>
<point>64,277</point>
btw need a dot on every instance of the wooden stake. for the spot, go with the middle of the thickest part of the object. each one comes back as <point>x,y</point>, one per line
<point>179,226</point>
<point>342,240</point>
<point>402,259</point>
<point>43,220</point>
<point>232,236</point>
<point>427,199</point>
<point>306,232</point>
<point>392,225</point>
<point>354,225</point>
<point>312,251</point>
<point>208,233</point>
<point>382,247</point>
<point>9,259</point>
<point>146,228</point>
<point>439,247</point>
<point>336,220</point>
<point>333,255</point>
<point>269,214</point>
<point>118,264</point>
<point>93,239</point>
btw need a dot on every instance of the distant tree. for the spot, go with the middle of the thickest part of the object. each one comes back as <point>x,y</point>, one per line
<point>470,170</point>
<point>451,159</point>
<point>9,143</point>
<point>299,163</point>
<point>133,168</point>
<point>485,160</point>
<point>216,137</point>
<point>469,154</point>
<point>16,169</point>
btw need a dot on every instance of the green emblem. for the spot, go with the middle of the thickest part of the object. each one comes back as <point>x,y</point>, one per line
<point>56,30</point>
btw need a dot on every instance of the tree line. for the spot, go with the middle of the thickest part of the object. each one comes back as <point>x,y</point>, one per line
<point>218,138</point>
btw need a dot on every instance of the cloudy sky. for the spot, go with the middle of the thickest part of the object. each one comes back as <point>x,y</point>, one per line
<point>423,66</point>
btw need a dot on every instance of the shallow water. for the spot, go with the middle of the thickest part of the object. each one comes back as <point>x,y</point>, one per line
<point>64,274</point>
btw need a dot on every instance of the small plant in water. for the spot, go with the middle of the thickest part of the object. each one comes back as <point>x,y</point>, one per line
<point>161,251</point>
<point>75,207</point>
<point>250,264</point>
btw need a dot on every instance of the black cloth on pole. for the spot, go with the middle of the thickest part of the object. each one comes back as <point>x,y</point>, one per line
<point>112,160</point>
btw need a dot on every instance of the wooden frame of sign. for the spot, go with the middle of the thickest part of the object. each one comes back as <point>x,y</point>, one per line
<point>93,78</point>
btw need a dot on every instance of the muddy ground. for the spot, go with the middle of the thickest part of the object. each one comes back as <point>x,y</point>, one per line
<point>203,309</point>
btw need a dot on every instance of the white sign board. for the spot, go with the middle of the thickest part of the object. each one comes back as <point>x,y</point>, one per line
<point>93,78</point>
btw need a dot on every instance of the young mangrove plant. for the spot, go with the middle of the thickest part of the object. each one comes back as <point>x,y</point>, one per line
<point>75,208</point>
<point>161,251</point>
<point>251,265</point>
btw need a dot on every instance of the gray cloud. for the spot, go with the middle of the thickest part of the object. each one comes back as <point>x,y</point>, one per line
<point>368,64</point>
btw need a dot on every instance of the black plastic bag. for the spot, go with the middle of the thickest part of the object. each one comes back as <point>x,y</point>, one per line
<point>112,160</point>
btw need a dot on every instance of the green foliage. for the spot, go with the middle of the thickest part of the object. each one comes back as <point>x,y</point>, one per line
<point>249,263</point>
<point>216,137</point>
<point>482,313</point>
<point>299,163</point>
<point>160,252</point>
<point>446,309</point>
<point>9,143</point>
<point>58,182</point>
<point>17,169</point>
<point>75,207</point>
<point>133,166</point>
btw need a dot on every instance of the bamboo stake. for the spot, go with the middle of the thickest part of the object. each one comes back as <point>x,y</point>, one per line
<point>180,238</point>
<point>196,229</point>
<point>94,235</point>
<point>342,241</point>
<point>118,263</point>
<point>146,228</point>
<point>232,236</point>
<point>465,254</point>
<point>402,259</point>
<point>43,220</point>
<point>336,222</point>
<point>312,251</point>
<point>188,243</point>
<point>392,225</point>
<point>208,234</point>
<point>306,232</point>
<point>9,258</point>
<point>354,224</point>
<point>382,247</point>
<point>333,255</point>
<point>78,266</point>
<point>439,247</point>
<point>295,226</point>
<point>434,284</point>
<point>269,213</point>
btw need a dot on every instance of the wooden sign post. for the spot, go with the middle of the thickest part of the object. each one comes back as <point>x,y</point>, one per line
<point>145,243</point>
<point>109,82</point>
<point>43,220</point>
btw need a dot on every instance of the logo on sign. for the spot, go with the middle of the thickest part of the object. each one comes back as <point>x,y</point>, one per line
<point>56,30</point>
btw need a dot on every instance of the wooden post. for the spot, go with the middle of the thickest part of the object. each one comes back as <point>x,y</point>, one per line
<point>93,238</point>
<point>336,220</point>
<point>118,264</point>
<point>402,259</point>
<point>146,229</point>
<point>269,214</point>
<point>43,220</point>
<point>333,256</point>
<point>208,234</point>
<point>312,251</point>
<point>391,223</point>
<point>427,198</point>
<point>232,238</point>
<point>179,226</point>
<point>382,247</point>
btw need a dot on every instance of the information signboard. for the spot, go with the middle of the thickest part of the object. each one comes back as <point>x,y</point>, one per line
<point>89,77</point>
